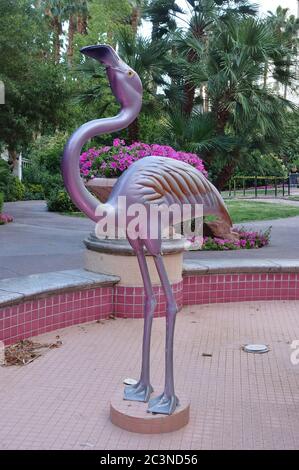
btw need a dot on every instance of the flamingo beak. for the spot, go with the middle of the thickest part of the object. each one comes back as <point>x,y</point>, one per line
<point>103,53</point>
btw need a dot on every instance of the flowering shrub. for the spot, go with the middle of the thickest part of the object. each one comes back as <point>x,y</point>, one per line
<point>5,218</point>
<point>112,161</point>
<point>247,241</point>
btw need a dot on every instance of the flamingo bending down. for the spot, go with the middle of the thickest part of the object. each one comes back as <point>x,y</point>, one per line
<point>151,180</point>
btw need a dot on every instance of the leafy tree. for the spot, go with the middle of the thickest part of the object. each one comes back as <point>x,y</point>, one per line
<point>105,19</point>
<point>136,13</point>
<point>55,10</point>
<point>219,105</point>
<point>77,13</point>
<point>202,16</point>
<point>149,59</point>
<point>286,28</point>
<point>34,86</point>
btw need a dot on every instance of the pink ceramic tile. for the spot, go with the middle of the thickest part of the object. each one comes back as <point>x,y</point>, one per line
<point>49,301</point>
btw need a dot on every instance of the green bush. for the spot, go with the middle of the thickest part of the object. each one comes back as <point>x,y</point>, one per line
<point>5,175</point>
<point>257,164</point>
<point>45,157</point>
<point>15,190</point>
<point>10,185</point>
<point>37,177</point>
<point>59,201</point>
<point>1,202</point>
<point>34,192</point>
<point>47,152</point>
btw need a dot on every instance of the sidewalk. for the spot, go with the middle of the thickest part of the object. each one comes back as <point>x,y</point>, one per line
<point>238,400</point>
<point>41,241</point>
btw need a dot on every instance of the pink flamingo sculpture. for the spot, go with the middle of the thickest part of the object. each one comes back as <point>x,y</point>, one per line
<point>151,180</point>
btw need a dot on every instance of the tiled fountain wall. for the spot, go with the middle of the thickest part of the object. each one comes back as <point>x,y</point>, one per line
<point>32,317</point>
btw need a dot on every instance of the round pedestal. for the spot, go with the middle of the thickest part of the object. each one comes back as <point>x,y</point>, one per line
<point>117,257</point>
<point>132,416</point>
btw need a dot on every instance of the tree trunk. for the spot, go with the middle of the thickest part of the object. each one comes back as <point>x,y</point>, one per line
<point>189,88</point>
<point>133,131</point>
<point>56,39</point>
<point>225,174</point>
<point>70,46</point>
<point>265,74</point>
<point>155,29</point>
<point>222,115</point>
<point>205,100</point>
<point>82,24</point>
<point>135,18</point>
<point>13,157</point>
<point>189,94</point>
<point>111,39</point>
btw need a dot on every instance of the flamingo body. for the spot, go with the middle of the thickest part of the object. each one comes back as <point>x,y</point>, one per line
<point>149,181</point>
<point>163,180</point>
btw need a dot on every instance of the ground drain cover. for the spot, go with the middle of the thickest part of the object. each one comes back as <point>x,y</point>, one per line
<point>130,381</point>
<point>256,348</point>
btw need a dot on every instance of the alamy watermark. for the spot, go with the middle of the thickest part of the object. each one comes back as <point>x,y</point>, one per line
<point>295,354</point>
<point>2,93</point>
<point>152,221</point>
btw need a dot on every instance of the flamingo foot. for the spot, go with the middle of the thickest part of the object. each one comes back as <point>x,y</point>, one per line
<point>138,392</point>
<point>163,404</point>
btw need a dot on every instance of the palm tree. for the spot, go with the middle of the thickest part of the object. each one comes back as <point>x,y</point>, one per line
<point>162,15</point>
<point>77,13</point>
<point>286,27</point>
<point>202,16</point>
<point>243,113</point>
<point>82,17</point>
<point>71,11</point>
<point>136,6</point>
<point>54,10</point>
<point>149,59</point>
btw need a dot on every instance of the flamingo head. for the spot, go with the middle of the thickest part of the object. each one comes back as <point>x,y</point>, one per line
<point>124,81</point>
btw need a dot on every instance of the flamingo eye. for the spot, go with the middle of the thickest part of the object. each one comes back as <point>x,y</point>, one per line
<point>130,73</point>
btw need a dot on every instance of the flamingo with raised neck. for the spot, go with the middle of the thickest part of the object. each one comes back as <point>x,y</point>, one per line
<point>151,180</point>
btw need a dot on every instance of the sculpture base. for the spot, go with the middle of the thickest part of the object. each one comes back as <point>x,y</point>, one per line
<point>132,416</point>
<point>109,256</point>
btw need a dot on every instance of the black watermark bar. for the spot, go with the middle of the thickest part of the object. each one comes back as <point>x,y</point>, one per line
<point>135,459</point>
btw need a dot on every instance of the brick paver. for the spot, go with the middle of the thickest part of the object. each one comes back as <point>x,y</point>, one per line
<point>238,400</point>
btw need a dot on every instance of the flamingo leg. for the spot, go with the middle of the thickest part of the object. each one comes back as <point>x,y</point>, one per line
<point>143,389</point>
<point>167,402</point>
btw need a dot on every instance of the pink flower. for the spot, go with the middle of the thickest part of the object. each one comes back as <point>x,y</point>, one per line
<point>5,218</point>
<point>113,161</point>
<point>118,142</point>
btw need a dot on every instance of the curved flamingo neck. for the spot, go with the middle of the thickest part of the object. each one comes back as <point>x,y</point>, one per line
<point>73,182</point>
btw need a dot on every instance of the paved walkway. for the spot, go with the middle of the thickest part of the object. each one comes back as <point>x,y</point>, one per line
<point>40,241</point>
<point>238,400</point>
<point>277,200</point>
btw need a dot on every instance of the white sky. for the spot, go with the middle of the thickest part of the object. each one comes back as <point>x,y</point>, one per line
<point>265,5</point>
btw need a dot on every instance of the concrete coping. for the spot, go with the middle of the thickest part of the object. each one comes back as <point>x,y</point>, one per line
<point>14,290</point>
<point>34,286</point>
<point>240,266</point>
<point>122,247</point>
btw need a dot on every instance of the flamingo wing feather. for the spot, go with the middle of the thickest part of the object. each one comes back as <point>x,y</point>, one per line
<point>166,180</point>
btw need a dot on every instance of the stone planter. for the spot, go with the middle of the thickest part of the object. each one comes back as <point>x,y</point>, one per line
<point>117,257</point>
<point>101,187</point>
